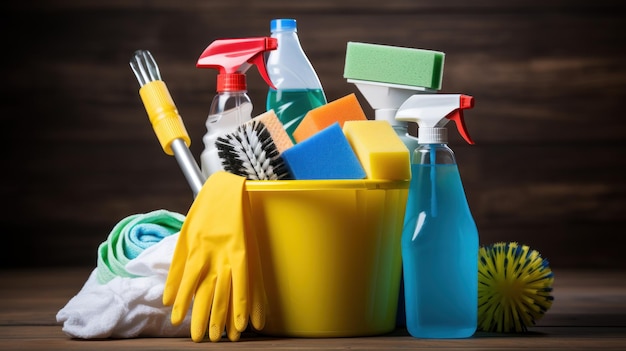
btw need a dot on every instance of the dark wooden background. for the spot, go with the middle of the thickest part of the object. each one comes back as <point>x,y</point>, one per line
<point>548,76</point>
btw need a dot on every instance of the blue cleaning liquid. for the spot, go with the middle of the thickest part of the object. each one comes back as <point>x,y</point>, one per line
<point>440,255</point>
<point>291,106</point>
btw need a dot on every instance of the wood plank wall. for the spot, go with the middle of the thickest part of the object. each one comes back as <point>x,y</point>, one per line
<point>548,76</point>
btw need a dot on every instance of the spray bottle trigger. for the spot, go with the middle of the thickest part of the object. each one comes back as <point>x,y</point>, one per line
<point>466,102</point>
<point>235,56</point>
<point>259,62</point>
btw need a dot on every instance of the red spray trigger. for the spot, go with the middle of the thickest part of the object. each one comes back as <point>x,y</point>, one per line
<point>466,102</point>
<point>233,57</point>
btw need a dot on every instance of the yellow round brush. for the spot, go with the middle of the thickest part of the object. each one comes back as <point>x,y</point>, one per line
<point>514,287</point>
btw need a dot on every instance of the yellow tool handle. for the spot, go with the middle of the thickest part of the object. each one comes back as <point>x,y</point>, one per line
<point>166,121</point>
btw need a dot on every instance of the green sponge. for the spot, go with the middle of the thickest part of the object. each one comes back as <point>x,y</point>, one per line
<point>394,65</point>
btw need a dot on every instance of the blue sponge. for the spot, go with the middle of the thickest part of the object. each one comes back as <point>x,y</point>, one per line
<point>326,154</point>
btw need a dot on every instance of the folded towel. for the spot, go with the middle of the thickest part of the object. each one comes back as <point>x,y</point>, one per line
<point>130,237</point>
<point>126,307</point>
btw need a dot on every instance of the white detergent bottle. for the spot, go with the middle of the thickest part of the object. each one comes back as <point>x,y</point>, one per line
<point>231,107</point>
<point>297,88</point>
<point>439,238</point>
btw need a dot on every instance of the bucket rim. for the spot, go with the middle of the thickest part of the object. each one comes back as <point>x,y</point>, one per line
<point>326,184</point>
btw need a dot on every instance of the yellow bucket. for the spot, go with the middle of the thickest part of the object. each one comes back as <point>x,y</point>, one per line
<point>330,251</point>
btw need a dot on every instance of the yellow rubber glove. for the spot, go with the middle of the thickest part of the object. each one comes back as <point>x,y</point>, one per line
<point>216,262</point>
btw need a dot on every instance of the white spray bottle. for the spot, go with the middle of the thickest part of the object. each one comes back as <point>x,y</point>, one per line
<point>440,238</point>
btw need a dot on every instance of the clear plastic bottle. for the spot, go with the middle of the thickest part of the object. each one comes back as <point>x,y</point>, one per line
<point>228,110</point>
<point>402,130</point>
<point>440,238</point>
<point>297,86</point>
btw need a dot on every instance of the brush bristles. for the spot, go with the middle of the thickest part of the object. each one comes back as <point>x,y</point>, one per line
<point>514,287</point>
<point>250,152</point>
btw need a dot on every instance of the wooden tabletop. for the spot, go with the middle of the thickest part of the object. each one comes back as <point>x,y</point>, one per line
<point>589,313</point>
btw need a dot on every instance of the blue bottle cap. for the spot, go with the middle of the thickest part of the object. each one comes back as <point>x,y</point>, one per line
<point>282,24</point>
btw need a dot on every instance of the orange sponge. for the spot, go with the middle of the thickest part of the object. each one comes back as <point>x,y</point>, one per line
<point>343,109</point>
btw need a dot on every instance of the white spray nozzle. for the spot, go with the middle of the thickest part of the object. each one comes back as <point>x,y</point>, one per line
<point>386,98</point>
<point>431,112</point>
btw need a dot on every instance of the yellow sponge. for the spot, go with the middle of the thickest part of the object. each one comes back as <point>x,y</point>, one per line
<point>276,129</point>
<point>380,150</point>
<point>343,109</point>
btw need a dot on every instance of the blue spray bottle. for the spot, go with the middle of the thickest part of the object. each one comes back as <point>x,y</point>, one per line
<point>440,238</point>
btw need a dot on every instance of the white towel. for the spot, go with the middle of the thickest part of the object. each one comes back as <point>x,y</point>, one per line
<point>126,307</point>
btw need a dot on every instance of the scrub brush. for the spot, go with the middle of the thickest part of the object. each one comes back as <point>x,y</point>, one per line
<point>514,287</point>
<point>250,152</point>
